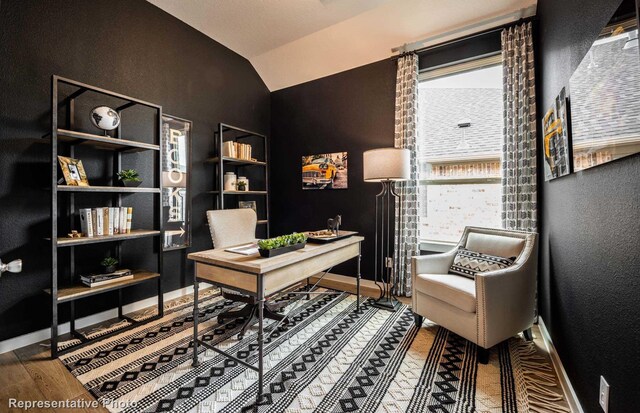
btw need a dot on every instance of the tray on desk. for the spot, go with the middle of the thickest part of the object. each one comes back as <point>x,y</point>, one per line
<point>326,239</point>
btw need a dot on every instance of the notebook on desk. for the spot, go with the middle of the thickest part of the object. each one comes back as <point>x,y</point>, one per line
<point>246,249</point>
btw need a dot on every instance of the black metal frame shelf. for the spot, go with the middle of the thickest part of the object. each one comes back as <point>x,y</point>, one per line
<point>220,162</point>
<point>68,139</point>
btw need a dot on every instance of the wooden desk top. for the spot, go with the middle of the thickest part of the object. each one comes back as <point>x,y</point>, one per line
<point>255,264</point>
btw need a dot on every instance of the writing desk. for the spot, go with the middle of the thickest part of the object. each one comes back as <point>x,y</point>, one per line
<point>262,277</point>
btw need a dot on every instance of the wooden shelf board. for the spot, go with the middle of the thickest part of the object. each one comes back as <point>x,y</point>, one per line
<point>135,233</point>
<point>236,161</point>
<point>262,221</point>
<point>244,192</point>
<point>80,290</point>
<point>122,189</point>
<point>104,142</point>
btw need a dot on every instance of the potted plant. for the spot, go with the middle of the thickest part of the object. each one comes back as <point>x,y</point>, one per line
<point>279,245</point>
<point>241,185</point>
<point>129,177</point>
<point>109,265</point>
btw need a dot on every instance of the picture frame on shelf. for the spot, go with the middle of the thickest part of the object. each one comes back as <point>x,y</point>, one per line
<point>248,204</point>
<point>73,171</point>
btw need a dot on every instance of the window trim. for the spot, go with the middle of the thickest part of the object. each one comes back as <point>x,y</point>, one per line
<point>457,67</point>
<point>460,66</point>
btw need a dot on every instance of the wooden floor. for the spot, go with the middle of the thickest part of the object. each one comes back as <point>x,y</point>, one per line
<point>29,373</point>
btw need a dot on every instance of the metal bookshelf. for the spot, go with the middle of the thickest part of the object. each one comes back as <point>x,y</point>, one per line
<point>65,140</point>
<point>228,199</point>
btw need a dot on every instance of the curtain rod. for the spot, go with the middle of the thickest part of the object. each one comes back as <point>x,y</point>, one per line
<point>416,46</point>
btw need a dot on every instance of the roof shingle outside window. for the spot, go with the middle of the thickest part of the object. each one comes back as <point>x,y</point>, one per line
<point>440,111</point>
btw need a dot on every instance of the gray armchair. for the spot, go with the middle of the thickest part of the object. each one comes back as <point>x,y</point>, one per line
<point>490,308</point>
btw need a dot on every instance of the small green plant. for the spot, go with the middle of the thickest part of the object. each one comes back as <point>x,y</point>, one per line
<point>109,262</point>
<point>241,185</point>
<point>282,241</point>
<point>129,175</point>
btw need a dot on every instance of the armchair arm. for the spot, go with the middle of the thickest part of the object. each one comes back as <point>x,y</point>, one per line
<point>430,264</point>
<point>506,299</point>
<point>433,264</point>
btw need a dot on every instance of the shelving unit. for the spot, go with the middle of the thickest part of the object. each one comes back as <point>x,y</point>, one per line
<point>259,168</point>
<point>68,289</point>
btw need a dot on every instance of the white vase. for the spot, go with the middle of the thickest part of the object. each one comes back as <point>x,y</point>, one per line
<point>230,181</point>
<point>245,180</point>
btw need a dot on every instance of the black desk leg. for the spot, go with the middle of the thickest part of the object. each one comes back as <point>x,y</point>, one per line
<point>195,363</point>
<point>260,337</point>
<point>358,278</point>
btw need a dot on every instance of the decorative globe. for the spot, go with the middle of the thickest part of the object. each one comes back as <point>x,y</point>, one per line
<point>105,118</point>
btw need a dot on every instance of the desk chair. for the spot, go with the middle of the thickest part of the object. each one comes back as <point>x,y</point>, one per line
<point>231,227</point>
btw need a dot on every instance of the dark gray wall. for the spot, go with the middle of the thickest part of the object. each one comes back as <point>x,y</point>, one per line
<point>130,47</point>
<point>589,273</point>
<point>351,111</point>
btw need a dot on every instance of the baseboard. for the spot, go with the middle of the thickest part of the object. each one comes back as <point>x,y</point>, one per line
<point>45,334</point>
<point>572,398</point>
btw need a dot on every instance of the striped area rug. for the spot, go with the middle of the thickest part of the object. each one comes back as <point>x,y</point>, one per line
<point>330,359</point>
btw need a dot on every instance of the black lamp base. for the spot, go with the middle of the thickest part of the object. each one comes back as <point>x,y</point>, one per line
<point>386,303</point>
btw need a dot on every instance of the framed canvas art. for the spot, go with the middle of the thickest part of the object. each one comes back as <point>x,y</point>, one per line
<point>325,171</point>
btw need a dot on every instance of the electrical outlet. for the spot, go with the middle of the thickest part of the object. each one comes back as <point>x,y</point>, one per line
<point>604,395</point>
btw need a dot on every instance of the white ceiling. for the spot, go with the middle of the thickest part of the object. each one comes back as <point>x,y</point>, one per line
<point>294,41</point>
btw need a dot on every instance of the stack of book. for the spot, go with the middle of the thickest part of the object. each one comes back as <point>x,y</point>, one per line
<point>95,280</point>
<point>105,221</point>
<point>236,150</point>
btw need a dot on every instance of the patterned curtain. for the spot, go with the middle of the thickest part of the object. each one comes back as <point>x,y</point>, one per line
<point>519,204</point>
<point>406,211</point>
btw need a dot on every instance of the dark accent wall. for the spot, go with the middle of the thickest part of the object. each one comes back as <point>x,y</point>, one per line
<point>351,111</point>
<point>130,47</point>
<point>590,270</point>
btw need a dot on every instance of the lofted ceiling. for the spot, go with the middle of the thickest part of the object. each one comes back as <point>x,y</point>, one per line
<point>294,41</point>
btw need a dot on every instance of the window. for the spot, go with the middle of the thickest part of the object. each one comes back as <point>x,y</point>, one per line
<point>460,142</point>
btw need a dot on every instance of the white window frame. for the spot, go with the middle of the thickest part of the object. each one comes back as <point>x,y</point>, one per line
<point>474,63</point>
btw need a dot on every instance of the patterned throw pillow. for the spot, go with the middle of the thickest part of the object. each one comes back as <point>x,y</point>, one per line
<point>469,263</point>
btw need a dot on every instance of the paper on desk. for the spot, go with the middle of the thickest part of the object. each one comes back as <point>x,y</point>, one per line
<point>247,249</point>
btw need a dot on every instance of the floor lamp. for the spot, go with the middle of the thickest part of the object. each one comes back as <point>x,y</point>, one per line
<point>386,165</point>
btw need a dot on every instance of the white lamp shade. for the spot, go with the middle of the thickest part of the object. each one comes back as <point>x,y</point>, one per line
<point>386,164</point>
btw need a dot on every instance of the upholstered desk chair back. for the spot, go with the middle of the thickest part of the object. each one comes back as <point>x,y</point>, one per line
<point>231,227</point>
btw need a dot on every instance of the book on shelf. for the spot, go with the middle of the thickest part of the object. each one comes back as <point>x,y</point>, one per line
<point>129,219</point>
<point>123,220</point>
<point>116,220</point>
<point>86,222</point>
<point>105,221</point>
<point>95,280</point>
<point>100,222</point>
<point>236,150</point>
